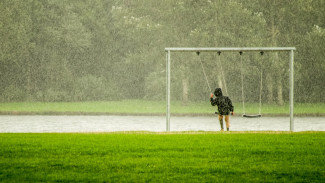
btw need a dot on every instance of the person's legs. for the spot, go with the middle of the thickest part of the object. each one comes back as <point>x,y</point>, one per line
<point>221,121</point>
<point>227,122</point>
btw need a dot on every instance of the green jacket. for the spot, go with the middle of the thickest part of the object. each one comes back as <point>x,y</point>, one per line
<point>223,102</point>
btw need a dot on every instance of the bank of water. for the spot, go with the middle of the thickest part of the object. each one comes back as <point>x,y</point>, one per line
<point>113,123</point>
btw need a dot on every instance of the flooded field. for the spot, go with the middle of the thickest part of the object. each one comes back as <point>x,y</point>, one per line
<point>40,124</point>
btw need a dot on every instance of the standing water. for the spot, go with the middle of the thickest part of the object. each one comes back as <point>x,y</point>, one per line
<point>40,124</point>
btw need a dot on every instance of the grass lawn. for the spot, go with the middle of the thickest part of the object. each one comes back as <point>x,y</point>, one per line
<point>148,107</point>
<point>163,157</point>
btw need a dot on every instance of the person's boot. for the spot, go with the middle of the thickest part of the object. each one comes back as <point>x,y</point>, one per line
<point>221,124</point>
<point>227,129</point>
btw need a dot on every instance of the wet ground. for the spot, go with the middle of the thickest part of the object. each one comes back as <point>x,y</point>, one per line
<point>40,124</point>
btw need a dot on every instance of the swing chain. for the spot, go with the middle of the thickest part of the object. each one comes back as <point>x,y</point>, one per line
<point>261,84</point>
<point>242,82</point>
<point>222,73</point>
<point>206,78</point>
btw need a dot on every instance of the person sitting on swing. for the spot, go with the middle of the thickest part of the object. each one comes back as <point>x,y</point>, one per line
<point>224,107</point>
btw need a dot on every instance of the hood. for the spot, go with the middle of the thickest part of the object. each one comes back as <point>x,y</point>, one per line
<point>218,92</point>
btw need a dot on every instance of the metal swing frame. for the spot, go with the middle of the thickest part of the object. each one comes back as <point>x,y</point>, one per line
<point>233,49</point>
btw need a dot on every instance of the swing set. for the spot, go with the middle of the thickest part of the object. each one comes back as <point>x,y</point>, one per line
<point>240,51</point>
<point>242,84</point>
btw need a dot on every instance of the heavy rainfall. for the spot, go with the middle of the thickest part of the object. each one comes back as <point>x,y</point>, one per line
<point>65,59</point>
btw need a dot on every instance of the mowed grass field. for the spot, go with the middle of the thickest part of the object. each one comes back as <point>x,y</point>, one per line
<point>163,157</point>
<point>144,107</point>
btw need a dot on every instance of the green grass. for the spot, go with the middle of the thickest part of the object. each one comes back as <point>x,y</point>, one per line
<point>126,106</point>
<point>154,157</point>
<point>148,107</point>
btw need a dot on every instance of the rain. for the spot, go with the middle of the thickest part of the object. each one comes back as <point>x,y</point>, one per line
<point>100,66</point>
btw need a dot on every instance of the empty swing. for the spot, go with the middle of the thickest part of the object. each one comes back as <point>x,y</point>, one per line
<point>243,95</point>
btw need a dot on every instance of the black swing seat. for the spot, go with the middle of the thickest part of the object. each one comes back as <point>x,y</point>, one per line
<point>216,112</point>
<point>252,116</point>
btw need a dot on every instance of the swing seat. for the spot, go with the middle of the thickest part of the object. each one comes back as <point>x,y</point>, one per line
<point>252,115</point>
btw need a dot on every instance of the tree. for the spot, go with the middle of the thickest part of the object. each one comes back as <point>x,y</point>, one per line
<point>311,77</point>
<point>72,50</point>
<point>287,22</point>
<point>15,69</point>
<point>217,24</point>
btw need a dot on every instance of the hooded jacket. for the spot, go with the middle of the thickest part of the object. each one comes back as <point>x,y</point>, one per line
<point>223,102</point>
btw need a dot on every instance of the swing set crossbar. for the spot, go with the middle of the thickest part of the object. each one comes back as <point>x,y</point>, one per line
<point>234,49</point>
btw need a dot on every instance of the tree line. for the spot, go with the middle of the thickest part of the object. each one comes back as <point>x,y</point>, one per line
<point>81,50</point>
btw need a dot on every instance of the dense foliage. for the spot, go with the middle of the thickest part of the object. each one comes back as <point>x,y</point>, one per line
<point>83,50</point>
